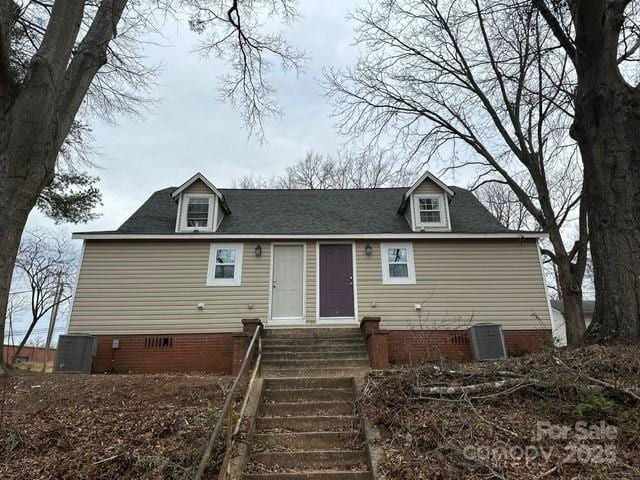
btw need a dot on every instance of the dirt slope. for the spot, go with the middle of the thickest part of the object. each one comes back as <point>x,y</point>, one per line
<point>525,427</point>
<point>105,426</point>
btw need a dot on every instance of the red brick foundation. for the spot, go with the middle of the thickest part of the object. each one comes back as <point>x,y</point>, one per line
<point>206,352</point>
<point>416,346</point>
<point>222,353</point>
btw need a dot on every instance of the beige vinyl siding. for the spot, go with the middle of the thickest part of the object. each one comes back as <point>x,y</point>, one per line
<point>154,287</point>
<point>428,187</point>
<point>311,284</point>
<point>146,287</point>
<point>198,187</point>
<point>457,282</point>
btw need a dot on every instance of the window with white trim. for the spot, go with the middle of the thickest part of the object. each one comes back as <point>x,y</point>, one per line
<point>198,212</point>
<point>430,211</point>
<point>397,263</point>
<point>225,264</point>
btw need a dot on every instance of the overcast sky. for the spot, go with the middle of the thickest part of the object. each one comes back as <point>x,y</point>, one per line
<point>190,130</point>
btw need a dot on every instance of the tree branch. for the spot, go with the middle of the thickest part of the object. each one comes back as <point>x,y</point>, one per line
<point>565,42</point>
<point>8,14</point>
<point>89,57</point>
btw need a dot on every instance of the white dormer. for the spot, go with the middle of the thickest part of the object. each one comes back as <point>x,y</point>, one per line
<point>426,205</point>
<point>201,206</point>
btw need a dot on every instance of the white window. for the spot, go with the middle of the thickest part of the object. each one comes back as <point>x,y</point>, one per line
<point>199,212</point>
<point>225,264</point>
<point>430,211</point>
<point>397,263</point>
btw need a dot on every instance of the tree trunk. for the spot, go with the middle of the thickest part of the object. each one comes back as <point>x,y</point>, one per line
<point>24,342</point>
<point>18,195</point>
<point>607,129</point>
<point>610,147</point>
<point>571,292</point>
<point>34,123</point>
<point>573,315</point>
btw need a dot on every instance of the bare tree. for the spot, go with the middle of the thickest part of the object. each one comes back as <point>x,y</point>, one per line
<point>480,86</point>
<point>504,204</point>
<point>601,39</point>
<point>318,171</point>
<point>45,270</point>
<point>17,306</point>
<point>61,60</point>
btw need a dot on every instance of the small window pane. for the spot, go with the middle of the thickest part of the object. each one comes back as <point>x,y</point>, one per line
<point>226,255</point>
<point>429,210</point>
<point>429,217</point>
<point>397,255</point>
<point>198,212</point>
<point>429,204</point>
<point>398,270</point>
<point>225,271</point>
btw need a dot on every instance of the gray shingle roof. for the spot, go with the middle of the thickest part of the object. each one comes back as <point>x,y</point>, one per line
<point>282,212</point>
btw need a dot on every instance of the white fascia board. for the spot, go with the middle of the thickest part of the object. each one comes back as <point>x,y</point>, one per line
<point>358,236</point>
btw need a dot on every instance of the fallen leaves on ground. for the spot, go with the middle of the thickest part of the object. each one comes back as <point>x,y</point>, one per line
<point>526,431</point>
<point>106,426</point>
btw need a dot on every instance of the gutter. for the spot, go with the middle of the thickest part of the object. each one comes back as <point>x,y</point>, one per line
<point>358,236</point>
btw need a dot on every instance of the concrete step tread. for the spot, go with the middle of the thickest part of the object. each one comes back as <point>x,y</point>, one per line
<point>306,394</point>
<point>311,332</point>
<point>307,460</point>
<point>308,382</point>
<point>314,349</point>
<point>320,353</point>
<point>313,372</point>
<point>308,434</point>
<point>306,441</point>
<point>313,423</point>
<point>305,409</point>
<point>311,475</point>
<point>313,345</point>
<point>315,363</point>
<point>309,359</point>
<point>308,390</point>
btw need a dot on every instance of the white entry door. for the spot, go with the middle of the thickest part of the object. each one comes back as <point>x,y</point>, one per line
<point>287,284</point>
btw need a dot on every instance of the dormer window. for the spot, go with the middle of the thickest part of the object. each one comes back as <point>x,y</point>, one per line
<point>201,206</point>
<point>425,205</point>
<point>198,212</point>
<point>429,210</point>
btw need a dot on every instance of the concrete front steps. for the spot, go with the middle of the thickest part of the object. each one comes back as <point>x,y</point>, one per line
<point>315,352</point>
<point>308,428</point>
<point>307,424</point>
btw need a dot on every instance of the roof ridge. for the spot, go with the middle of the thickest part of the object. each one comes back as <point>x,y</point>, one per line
<point>312,189</point>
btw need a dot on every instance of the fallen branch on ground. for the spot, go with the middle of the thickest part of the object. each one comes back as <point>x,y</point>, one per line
<point>627,391</point>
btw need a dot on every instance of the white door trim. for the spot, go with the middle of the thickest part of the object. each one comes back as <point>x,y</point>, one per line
<point>288,321</point>
<point>337,320</point>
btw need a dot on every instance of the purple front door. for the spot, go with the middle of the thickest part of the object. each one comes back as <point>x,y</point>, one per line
<point>336,281</point>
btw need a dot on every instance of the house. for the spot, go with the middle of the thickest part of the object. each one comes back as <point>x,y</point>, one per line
<point>28,354</point>
<point>168,290</point>
<point>558,326</point>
